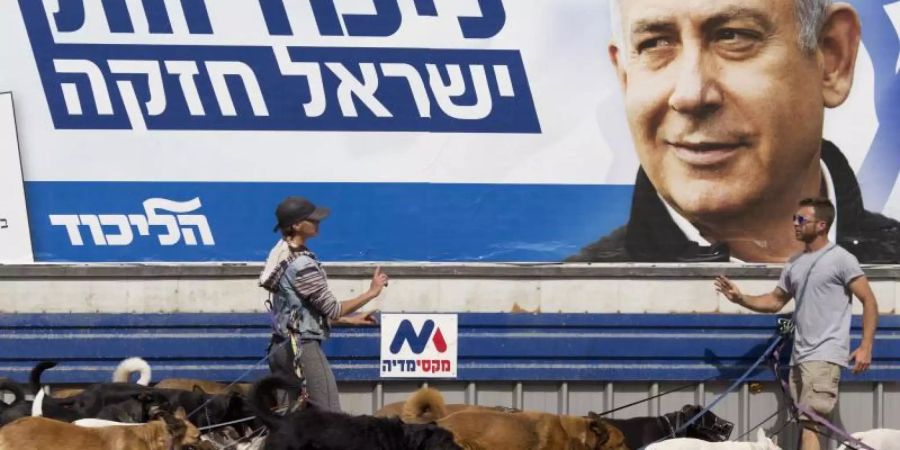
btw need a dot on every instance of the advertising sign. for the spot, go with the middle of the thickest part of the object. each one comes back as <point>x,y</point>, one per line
<point>419,345</point>
<point>469,130</point>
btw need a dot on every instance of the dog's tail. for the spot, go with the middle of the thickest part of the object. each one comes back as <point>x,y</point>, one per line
<point>264,397</point>
<point>37,408</point>
<point>34,378</point>
<point>128,366</point>
<point>12,387</point>
<point>425,405</point>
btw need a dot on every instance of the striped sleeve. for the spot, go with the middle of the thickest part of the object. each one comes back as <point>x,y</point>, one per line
<point>310,283</point>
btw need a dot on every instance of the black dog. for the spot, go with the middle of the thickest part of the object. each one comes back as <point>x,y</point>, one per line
<point>18,407</point>
<point>126,402</point>
<point>642,431</point>
<point>314,429</point>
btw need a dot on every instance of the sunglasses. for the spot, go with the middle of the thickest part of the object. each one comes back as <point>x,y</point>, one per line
<point>800,220</point>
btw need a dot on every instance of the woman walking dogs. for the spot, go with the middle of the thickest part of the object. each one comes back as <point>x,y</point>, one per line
<point>303,307</point>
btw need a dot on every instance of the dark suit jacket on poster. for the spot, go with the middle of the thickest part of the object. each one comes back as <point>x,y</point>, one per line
<point>652,236</point>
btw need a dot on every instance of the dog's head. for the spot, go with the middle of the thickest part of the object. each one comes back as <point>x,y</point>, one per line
<point>183,433</point>
<point>709,427</point>
<point>607,435</point>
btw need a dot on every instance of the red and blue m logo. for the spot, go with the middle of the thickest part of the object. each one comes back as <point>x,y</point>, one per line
<point>406,333</point>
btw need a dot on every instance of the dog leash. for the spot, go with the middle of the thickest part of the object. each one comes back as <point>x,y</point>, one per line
<point>236,381</point>
<point>680,388</point>
<point>763,422</point>
<point>225,424</point>
<point>738,382</point>
<point>801,408</point>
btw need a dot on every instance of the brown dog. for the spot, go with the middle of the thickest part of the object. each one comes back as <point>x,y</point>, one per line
<point>209,387</point>
<point>477,428</point>
<point>428,408</point>
<point>163,433</point>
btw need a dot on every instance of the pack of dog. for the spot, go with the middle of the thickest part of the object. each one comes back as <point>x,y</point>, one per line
<point>132,403</point>
<point>427,405</point>
<point>311,428</point>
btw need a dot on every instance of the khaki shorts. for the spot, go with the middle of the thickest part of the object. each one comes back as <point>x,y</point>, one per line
<point>815,384</point>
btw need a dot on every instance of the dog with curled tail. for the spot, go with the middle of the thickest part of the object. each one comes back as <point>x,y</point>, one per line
<point>481,428</point>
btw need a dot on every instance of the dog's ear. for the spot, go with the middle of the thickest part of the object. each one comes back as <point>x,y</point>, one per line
<point>175,424</point>
<point>598,428</point>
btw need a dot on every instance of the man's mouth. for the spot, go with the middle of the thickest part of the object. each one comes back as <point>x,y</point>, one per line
<point>705,153</point>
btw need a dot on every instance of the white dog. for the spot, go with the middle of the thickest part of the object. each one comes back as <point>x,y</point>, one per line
<point>762,443</point>
<point>879,439</point>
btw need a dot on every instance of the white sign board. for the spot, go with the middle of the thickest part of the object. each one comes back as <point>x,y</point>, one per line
<point>15,239</point>
<point>419,345</point>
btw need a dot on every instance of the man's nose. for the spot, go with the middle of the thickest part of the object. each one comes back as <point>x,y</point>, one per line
<point>696,90</point>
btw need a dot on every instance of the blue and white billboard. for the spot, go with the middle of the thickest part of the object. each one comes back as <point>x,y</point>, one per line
<point>435,130</point>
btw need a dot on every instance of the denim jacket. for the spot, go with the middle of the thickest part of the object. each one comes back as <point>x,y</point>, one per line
<point>302,303</point>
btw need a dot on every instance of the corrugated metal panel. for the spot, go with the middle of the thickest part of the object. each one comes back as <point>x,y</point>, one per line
<point>862,406</point>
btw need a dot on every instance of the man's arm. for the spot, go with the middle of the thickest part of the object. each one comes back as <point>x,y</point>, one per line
<point>766,303</point>
<point>863,354</point>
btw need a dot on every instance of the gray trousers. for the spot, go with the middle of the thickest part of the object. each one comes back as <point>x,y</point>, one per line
<point>320,382</point>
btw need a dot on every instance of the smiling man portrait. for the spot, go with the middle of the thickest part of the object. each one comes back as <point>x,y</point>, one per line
<point>725,102</point>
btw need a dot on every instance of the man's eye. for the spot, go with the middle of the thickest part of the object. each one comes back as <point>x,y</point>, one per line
<point>650,44</point>
<point>736,39</point>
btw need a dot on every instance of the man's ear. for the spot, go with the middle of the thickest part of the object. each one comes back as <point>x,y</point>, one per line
<point>615,57</point>
<point>839,46</point>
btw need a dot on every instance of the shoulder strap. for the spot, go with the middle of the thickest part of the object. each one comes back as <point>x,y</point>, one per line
<point>802,291</point>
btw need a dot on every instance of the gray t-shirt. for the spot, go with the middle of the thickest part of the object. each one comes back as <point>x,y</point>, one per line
<point>822,312</point>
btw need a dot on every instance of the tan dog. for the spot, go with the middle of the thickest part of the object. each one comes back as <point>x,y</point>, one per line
<point>481,428</point>
<point>428,408</point>
<point>209,387</point>
<point>164,433</point>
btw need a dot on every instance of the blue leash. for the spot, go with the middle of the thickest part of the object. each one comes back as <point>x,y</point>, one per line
<point>730,389</point>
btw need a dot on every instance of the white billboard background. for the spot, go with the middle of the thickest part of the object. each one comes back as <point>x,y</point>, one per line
<point>15,239</point>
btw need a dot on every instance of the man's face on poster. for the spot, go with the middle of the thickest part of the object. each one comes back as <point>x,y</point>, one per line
<point>724,105</point>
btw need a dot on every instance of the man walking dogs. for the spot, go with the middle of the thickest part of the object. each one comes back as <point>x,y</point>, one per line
<point>820,280</point>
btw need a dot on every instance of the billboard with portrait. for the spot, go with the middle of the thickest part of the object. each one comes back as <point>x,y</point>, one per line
<point>435,130</point>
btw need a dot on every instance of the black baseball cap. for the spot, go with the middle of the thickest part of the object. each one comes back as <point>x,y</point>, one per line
<point>294,209</point>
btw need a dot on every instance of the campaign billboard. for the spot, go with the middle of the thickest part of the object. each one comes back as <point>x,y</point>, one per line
<point>473,130</point>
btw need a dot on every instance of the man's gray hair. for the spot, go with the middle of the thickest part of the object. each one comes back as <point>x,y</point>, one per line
<point>810,18</point>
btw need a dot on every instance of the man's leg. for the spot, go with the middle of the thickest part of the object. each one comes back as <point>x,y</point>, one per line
<point>815,385</point>
<point>320,382</point>
<point>810,439</point>
<point>281,364</point>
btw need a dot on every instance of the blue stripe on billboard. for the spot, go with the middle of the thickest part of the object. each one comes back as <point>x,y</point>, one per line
<point>205,221</point>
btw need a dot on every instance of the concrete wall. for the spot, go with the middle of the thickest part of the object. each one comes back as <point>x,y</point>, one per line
<point>413,287</point>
